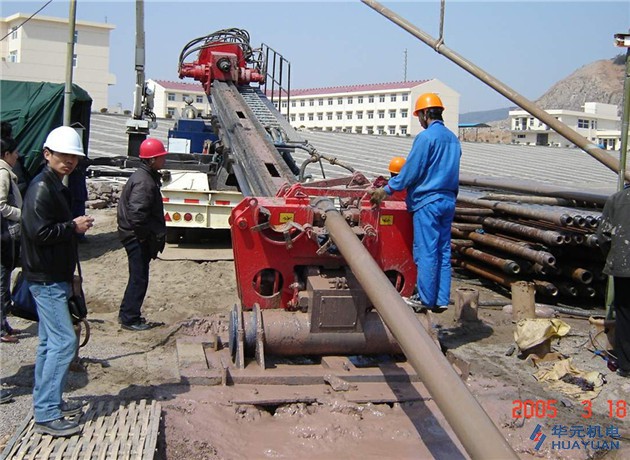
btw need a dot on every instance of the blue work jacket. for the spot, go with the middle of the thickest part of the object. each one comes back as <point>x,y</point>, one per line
<point>432,167</point>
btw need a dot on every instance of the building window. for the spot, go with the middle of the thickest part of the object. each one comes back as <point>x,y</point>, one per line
<point>74,60</point>
<point>358,130</point>
<point>582,123</point>
<point>170,96</point>
<point>292,117</point>
<point>339,100</point>
<point>403,130</point>
<point>76,36</point>
<point>405,97</point>
<point>184,97</point>
<point>381,98</point>
<point>380,130</point>
<point>370,99</point>
<point>292,103</point>
<point>370,114</point>
<point>320,101</point>
<point>360,100</point>
<point>199,99</point>
<point>392,114</point>
<point>330,101</point>
<point>349,99</point>
<point>593,124</point>
<point>381,114</point>
<point>13,56</point>
<point>14,33</point>
<point>392,98</point>
<point>170,111</point>
<point>284,104</point>
<point>359,115</point>
<point>302,103</point>
<point>370,129</point>
<point>339,115</point>
<point>348,115</point>
<point>392,130</point>
<point>311,102</point>
<point>320,116</point>
<point>520,136</point>
<point>311,117</point>
<point>301,117</point>
<point>329,115</point>
<point>403,113</point>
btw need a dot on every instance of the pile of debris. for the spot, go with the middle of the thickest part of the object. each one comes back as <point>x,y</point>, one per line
<point>103,193</point>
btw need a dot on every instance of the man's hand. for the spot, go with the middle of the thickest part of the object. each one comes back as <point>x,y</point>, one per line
<point>83,223</point>
<point>377,195</point>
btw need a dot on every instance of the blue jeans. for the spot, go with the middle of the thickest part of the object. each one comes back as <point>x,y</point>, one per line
<point>139,258</point>
<point>57,347</point>
<point>432,250</point>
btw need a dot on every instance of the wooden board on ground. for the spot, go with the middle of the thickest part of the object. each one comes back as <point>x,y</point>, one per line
<point>111,429</point>
<point>198,252</point>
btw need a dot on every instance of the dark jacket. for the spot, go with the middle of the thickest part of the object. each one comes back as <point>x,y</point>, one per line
<point>48,236</point>
<point>140,208</point>
<point>613,234</point>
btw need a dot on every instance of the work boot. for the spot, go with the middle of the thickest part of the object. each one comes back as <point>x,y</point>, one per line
<point>58,428</point>
<point>71,408</point>
<point>138,326</point>
<point>5,396</point>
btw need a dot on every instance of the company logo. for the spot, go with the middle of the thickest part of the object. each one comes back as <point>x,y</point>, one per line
<point>538,436</point>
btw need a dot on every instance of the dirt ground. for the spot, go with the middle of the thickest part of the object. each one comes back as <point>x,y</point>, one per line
<point>208,422</point>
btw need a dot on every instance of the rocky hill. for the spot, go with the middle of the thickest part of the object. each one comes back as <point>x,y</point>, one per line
<point>600,81</point>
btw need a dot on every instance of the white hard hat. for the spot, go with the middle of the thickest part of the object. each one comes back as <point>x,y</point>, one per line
<point>64,140</point>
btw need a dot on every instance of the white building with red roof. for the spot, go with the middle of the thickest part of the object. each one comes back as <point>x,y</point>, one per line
<point>380,108</point>
<point>170,98</point>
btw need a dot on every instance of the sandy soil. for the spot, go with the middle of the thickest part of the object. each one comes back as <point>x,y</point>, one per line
<point>201,422</point>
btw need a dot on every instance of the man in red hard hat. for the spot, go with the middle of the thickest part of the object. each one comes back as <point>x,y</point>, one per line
<point>431,178</point>
<point>142,230</point>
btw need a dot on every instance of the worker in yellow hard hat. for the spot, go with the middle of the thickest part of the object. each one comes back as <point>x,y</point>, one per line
<point>431,177</point>
<point>395,165</point>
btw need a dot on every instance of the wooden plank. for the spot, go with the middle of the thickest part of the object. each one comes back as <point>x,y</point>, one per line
<point>153,429</point>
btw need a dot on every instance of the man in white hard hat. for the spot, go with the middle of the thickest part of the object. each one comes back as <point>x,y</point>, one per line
<point>49,259</point>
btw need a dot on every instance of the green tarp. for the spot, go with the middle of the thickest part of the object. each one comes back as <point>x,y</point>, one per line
<point>36,108</point>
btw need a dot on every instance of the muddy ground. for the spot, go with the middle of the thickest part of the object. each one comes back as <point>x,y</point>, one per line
<point>193,299</point>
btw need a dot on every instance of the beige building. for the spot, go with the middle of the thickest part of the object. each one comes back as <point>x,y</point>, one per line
<point>381,108</point>
<point>36,51</point>
<point>169,98</point>
<point>599,123</point>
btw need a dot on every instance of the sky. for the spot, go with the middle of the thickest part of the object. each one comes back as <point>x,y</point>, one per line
<point>526,45</point>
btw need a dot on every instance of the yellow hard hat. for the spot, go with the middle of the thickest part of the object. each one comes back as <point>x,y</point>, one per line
<point>427,101</point>
<point>396,164</point>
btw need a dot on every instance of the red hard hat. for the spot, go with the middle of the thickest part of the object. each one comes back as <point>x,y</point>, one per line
<point>151,148</point>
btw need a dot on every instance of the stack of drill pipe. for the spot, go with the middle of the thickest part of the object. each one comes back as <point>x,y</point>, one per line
<point>544,240</point>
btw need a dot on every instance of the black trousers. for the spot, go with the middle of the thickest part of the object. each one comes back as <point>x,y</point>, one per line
<point>139,258</point>
<point>622,322</point>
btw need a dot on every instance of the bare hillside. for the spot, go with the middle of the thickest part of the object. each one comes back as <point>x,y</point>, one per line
<point>600,81</point>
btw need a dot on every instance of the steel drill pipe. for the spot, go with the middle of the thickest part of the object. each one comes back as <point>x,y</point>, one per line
<point>589,199</point>
<point>559,218</point>
<point>541,257</point>
<point>486,273</point>
<point>532,199</point>
<point>472,425</point>
<point>461,211</point>
<point>550,237</point>
<point>506,265</point>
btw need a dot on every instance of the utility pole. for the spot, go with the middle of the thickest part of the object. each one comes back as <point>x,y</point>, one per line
<point>623,40</point>
<point>405,68</point>
<point>67,95</point>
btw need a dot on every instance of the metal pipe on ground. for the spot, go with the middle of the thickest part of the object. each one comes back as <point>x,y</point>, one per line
<point>476,431</point>
<point>541,257</point>
<point>506,265</point>
<point>438,45</point>
<point>550,237</point>
<point>559,218</point>
<point>533,199</point>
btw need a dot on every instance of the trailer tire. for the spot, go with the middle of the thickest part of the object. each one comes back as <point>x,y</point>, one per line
<point>174,235</point>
